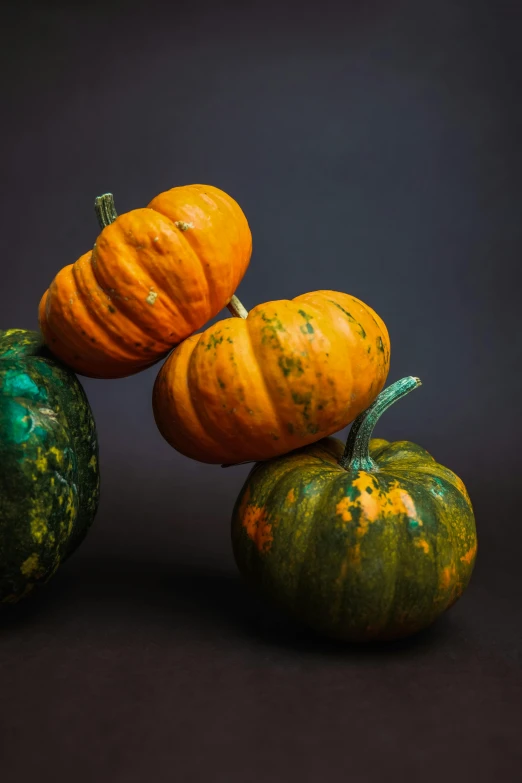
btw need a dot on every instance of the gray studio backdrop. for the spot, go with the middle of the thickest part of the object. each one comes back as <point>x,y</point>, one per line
<point>374,151</point>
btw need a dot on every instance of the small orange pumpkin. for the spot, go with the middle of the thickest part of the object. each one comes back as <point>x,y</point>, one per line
<point>280,377</point>
<point>154,277</point>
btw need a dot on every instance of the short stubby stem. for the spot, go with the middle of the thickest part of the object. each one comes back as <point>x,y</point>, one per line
<point>236,307</point>
<point>105,210</point>
<point>357,452</point>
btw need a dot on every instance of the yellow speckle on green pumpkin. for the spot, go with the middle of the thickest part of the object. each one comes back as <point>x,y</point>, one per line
<point>38,529</point>
<point>41,462</point>
<point>31,565</point>
<point>56,453</point>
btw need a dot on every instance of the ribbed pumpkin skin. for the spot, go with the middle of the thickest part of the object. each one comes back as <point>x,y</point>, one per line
<point>289,374</point>
<point>155,276</point>
<point>356,555</point>
<point>49,482</point>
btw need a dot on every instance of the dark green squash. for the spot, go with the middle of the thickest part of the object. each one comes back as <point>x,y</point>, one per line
<point>49,479</point>
<point>371,541</point>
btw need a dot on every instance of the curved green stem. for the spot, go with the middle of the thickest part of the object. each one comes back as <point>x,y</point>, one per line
<point>236,308</point>
<point>357,452</point>
<point>105,210</point>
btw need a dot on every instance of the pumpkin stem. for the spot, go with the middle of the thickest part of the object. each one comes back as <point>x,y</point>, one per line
<point>236,308</point>
<point>105,210</point>
<point>357,452</point>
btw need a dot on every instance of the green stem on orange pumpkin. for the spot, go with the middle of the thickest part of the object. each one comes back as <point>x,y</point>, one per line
<point>357,452</point>
<point>105,210</point>
<point>236,308</point>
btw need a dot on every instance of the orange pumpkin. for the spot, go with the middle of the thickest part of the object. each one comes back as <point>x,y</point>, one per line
<point>282,376</point>
<point>155,276</point>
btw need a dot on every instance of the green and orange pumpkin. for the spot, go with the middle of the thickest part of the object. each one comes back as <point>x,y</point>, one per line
<point>369,541</point>
<point>49,481</point>
<point>154,277</point>
<point>284,375</point>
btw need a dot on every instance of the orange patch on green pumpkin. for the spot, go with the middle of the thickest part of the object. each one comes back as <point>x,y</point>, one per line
<point>255,521</point>
<point>375,504</point>
<point>398,501</point>
<point>290,498</point>
<point>447,577</point>
<point>342,509</point>
<point>470,555</point>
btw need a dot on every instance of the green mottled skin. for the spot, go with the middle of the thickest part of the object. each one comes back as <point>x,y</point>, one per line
<point>356,554</point>
<point>49,481</point>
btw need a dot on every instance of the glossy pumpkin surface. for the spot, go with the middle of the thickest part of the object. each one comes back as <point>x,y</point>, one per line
<point>358,548</point>
<point>290,373</point>
<point>155,276</point>
<point>49,481</point>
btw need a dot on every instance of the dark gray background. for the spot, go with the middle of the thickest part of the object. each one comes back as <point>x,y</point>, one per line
<point>375,149</point>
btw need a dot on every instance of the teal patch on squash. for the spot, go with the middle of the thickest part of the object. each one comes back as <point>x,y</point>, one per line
<point>49,483</point>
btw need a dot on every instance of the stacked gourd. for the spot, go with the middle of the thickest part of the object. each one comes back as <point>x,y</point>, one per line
<point>371,540</point>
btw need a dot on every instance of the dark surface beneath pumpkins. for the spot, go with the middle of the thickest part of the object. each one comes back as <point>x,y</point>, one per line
<point>391,133</point>
<point>148,660</point>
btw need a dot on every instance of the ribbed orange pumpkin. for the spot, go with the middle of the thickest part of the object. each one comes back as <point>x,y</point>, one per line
<point>288,374</point>
<point>155,276</point>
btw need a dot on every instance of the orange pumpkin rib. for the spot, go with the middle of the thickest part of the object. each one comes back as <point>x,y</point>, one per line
<point>59,347</point>
<point>376,318</point>
<point>192,378</point>
<point>222,407</point>
<point>67,306</point>
<point>231,234</point>
<point>379,323</point>
<point>213,287</point>
<point>50,337</point>
<point>121,337</point>
<point>173,403</point>
<point>355,320</point>
<point>299,367</point>
<point>129,254</point>
<point>76,321</point>
<point>266,332</point>
<point>195,301</point>
<point>270,419</point>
